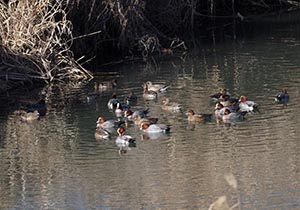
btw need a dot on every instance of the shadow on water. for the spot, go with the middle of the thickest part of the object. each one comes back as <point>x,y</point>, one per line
<point>57,163</point>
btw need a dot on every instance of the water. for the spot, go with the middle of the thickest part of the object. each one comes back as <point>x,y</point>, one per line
<point>56,163</point>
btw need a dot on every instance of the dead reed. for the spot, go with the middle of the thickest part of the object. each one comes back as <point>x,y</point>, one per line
<point>36,38</point>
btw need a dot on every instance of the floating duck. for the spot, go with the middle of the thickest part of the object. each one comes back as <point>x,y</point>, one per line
<point>149,94</point>
<point>100,86</point>
<point>247,106</point>
<point>107,124</point>
<point>123,140</point>
<point>101,133</point>
<point>40,106</point>
<point>130,115</point>
<point>156,87</point>
<point>233,116</point>
<point>154,128</point>
<point>219,111</point>
<point>222,94</point>
<point>131,99</point>
<point>138,120</point>
<point>113,101</point>
<point>170,106</point>
<point>192,117</point>
<point>282,97</point>
<point>121,108</point>
<point>229,102</point>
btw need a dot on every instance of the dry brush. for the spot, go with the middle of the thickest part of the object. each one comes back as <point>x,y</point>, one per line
<point>35,42</point>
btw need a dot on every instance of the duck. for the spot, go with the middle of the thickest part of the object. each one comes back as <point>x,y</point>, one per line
<point>106,85</point>
<point>156,87</point>
<point>30,116</point>
<point>130,115</point>
<point>192,117</point>
<point>112,102</point>
<point>282,97</point>
<point>229,102</point>
<point>154,128</point>
<point>170,106</point>
<point>40,106</point>
<point>222,94</point>
<point>220,108</point>
<point>138,120</point>
<point>131,99</point>
<point>107,124</point>
<point>121,108</point>
<point>247,106</point>
<point>230,116</point>
<point>101,133</point>
<point>149,94</point>
<point>219,111</point>
<point>123,140</point>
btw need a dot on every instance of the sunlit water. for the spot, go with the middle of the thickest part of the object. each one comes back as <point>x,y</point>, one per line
<point>56,163</point>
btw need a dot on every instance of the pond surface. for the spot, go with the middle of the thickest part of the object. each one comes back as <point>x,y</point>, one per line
<point>56,162</point>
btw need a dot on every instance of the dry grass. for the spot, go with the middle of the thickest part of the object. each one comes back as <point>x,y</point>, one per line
<point>35,39</point>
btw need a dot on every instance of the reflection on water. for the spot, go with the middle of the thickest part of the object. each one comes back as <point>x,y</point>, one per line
<point>56,162</point>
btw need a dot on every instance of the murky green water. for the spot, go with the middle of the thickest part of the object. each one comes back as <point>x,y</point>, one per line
<point>56,163</point>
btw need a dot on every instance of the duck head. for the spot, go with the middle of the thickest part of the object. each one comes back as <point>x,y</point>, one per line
<point>284,91</point>
<point>128,113</point>
<point>145,86</point>
<point>243,99</point>
<point>223,91</point>
<point>144,125</point>
<point>190,112</point>
<point>114,96</point>
<point>227,112</point>
<point>121,131</point>
<point>149,83</point>
<point>219,106</point>
<point>101,120</point>
<point>165,101</point>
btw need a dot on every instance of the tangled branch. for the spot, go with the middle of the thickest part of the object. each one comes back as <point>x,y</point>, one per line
<point>36,38</point>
